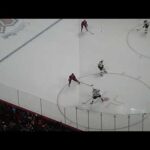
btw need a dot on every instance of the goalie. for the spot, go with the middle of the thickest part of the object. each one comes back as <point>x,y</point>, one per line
<point>95,95</point>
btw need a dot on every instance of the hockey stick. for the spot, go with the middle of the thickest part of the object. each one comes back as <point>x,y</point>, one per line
<point>90,32</point>
<point>87,101</point>
<point>102,72</point>
<point>86,84</point>
<point>140,29</point>
<point>96,100</point>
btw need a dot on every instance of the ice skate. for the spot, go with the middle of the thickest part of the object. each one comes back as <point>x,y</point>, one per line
<point>73,77</point>
<point>102,100</point>
<point>91,102</point>
<point>101,74</point>
<point>105,71</point>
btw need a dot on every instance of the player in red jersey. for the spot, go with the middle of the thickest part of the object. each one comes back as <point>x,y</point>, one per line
<point>72,77</point>
<point>84,24</point>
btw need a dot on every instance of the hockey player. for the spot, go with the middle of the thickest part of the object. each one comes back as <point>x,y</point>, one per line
<point>95,95</point>
<point>145,26</point>
<point>72,77</point>
<point>101,67</point>
<point>84,24</point>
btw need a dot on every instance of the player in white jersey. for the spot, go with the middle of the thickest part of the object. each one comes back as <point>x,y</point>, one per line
<point>101,67</point>
<point>96,94</point>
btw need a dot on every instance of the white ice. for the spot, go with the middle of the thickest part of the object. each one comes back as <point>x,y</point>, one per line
<point>42,67</point>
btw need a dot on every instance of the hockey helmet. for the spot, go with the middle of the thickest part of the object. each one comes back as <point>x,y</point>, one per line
<point>145,21</point>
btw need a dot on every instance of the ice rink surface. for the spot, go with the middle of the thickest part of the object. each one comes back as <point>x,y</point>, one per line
<point>42,66</point>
